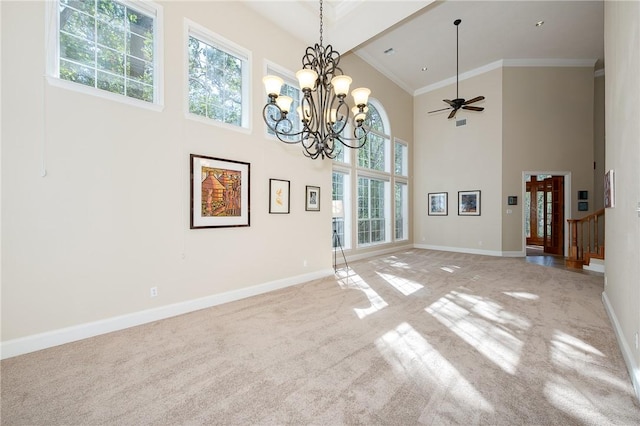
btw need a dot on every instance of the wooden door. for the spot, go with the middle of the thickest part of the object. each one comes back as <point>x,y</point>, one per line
<point>554,215</point>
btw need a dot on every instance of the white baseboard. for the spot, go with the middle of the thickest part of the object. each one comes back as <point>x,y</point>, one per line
<point>595,265</point>
<point>368,254</point>
<point>460,250</point>
<point>627,353</point>
<point>37,342</point>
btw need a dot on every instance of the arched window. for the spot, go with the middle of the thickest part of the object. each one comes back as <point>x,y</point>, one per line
<point>378,212</point>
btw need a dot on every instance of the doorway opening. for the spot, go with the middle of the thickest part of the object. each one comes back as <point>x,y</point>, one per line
<point>544,214</point>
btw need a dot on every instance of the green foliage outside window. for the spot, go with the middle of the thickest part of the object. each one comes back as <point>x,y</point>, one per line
<point>215,83</point>
<point>107,45</point>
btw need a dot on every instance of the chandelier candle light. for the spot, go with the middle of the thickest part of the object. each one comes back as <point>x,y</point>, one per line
<point>323,111</point>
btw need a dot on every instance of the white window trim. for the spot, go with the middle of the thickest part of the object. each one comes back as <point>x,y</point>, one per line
<point>191,28</point>
<point>405,213</point>
<point>406,157</point>
<point>52,43</point>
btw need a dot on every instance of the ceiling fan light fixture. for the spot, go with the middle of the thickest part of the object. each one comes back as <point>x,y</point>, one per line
<point>458,102</point>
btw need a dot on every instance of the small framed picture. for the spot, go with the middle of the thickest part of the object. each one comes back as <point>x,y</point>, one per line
<point>583,195</point>
<point>469,203</point>
<point>219,192</point>
<point>583,206</point>
<point>512,200</point>
<point>279,201</point>
<point>438,204</point>
<point>312,199</point>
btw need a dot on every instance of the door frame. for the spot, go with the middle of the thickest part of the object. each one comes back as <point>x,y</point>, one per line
<point>567,204</point>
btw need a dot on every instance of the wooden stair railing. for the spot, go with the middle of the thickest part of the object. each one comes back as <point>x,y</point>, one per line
<point>586,237</point>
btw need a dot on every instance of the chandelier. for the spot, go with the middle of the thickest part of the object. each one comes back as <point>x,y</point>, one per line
<point>323,112</point>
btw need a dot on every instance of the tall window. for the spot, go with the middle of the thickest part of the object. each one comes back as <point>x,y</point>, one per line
<point>340,183</point>
<point>401,211</point>
<point>380,184</point>
<point>218,78</point>
<point>371,211</point>
<point>374,154</point>
<point>109,45</point>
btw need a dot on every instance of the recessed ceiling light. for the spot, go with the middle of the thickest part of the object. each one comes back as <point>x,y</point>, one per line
<point>423,68</point>
<point>389,51</point>
<point>539,23</point>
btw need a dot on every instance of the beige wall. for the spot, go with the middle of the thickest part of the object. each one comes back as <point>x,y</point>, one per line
<point>451,159</point>
<point>111,217</point>
<point>599,144</point>
<point>622,223</point>
<point>547,126</point>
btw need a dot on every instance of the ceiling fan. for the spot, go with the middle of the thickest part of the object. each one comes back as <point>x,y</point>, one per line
<point>459,102</point>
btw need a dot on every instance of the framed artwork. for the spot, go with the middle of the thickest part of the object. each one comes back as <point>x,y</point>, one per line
<point>583,206</point>
<point>219,192</point>
<point>438,204</point>
<point>512,200</point>
<point>609,189</point>
<point>279,201</point>
<point>312,199</point>
<point>583,195</point>
<point>469,203</point>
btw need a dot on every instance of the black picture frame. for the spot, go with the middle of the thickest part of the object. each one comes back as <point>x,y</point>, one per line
<point>279,196</point>
<point>583,206</point>
<point>583,195</point>
<point>219,192</point>
<point>438,204</point>
<point>512,200</point>
<point>469,203</point>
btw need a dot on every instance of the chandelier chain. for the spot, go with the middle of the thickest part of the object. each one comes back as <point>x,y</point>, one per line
<point>321,22</point>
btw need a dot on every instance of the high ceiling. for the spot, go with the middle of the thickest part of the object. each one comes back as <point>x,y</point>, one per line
<point>422,34</point>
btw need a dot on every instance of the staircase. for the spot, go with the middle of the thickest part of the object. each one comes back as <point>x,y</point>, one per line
<point>586,237</point>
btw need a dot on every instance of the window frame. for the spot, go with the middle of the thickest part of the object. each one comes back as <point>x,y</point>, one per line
<point>346,202</point>
<point>52,33</point>
<point>203,34</point>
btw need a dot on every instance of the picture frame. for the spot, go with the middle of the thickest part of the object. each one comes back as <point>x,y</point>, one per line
<point>279,196</point>
<point>583,195</point>
<point>438,204</point>
<point>583,206</point>
<point>312,199</point>
<point>609,189</point>
<point>512,200</point>
<point>469,203</point>
<point>219,192</point>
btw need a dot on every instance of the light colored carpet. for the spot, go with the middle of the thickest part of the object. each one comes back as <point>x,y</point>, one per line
<point>417,337</point>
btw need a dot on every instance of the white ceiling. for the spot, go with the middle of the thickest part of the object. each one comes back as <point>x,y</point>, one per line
<point>422,33</point>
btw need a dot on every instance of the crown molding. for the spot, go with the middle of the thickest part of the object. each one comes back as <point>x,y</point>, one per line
<point>504,63</point>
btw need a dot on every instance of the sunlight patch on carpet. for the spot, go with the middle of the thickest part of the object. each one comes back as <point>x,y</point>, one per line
<point>415,359</point>
<point>354,281</point>
<point>563,395</point>
<point>522,295</point>
<point>403,285</point>
<point>477,328</point>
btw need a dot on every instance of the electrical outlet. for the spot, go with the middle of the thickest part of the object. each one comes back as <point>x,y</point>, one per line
<point>304,263</point>
<point>153,291</point>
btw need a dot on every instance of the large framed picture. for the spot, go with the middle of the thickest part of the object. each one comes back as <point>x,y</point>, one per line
<point>469,203</point>
<point>219,192</point>
<point>279,201</point>
<point>312,199</point>
<point>438,204</point>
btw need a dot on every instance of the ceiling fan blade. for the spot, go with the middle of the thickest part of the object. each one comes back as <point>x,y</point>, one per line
<point>476,99</point>
<point>453,113</point>
<point>473,108</point>
<point>438,110</point>
<point>453,104</point>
